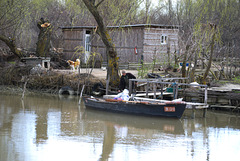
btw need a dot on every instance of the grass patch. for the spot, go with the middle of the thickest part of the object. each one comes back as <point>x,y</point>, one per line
<point>12,62</point>
<point>237,80</point>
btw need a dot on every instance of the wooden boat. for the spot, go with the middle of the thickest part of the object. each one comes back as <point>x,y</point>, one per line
<point>166,109</point>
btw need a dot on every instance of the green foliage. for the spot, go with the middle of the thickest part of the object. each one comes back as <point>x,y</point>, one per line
<point>11,13</point>
<point>79,51</point>
<point>113,12</point>
<point>119,12</point>
<point>237,80</point>
<point>12,62</point>
<point>94,56</point>
<point>91,60</point>
<point>148,67</point>
<point>142,72</point>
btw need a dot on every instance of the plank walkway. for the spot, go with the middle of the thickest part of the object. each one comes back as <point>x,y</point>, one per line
<point>225,108</point>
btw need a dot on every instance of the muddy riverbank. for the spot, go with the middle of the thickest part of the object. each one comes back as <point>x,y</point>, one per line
<point>14,77</point>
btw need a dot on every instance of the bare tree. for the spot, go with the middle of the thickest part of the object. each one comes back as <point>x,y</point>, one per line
<point>11,13</point>
<point>213,37</point>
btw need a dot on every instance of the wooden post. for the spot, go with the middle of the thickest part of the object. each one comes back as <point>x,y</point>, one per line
<point>205,102</point>
<point>193,112</point>
<point>228,58</point>
<point>176,93</point>
<point>147,89</point>
<point>154,89</point>
<point>161,91</point>
<point>205,96</point>
<point>80,98</point>
<point>130,87</point>
<point>204,112</point>
<point>24,89</point>
<point>174,90</point>
<point>107,85</point>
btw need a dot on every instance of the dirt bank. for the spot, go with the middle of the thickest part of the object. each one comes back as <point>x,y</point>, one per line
<point>96,72</point>
<point>47,81</point>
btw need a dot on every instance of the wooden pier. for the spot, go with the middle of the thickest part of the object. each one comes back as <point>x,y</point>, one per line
<point>159,91</point>
<point>224,98</point>
<point>163,82</point>
<point>225,108</point>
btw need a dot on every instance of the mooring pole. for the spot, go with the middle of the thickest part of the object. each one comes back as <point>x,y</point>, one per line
<point>24,87</point>
<point>147,89</point>
<point>205,96</point>
<point>130,87</point>
<point>107,86</point>
<point>80,98</point>
<point>204,112</point>
<point>155,90</point>
<point>176,91</point>
<point>205,102</point>
<point>161,91</point>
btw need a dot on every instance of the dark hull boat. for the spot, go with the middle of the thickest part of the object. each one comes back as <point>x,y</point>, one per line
<point>166,109</point>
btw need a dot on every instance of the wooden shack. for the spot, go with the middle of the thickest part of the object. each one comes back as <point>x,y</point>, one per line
<point>133,42</point>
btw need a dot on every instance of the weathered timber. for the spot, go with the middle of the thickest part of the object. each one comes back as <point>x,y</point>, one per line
<point>144,37</point>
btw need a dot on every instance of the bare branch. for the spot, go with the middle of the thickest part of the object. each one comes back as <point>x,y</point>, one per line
<point>11,44</point>
<point>99,3</point>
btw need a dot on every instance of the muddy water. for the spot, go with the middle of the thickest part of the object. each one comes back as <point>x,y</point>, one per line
<point>47,128</point>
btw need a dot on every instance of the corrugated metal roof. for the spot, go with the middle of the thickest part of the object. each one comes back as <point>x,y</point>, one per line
<point>146,25</point>
<point>77,27</point>
<point>123,26</point>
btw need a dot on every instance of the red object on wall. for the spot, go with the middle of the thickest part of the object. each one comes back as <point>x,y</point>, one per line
<point>135,51</point>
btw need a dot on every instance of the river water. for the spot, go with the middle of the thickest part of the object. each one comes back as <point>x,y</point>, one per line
<point>47,128</point>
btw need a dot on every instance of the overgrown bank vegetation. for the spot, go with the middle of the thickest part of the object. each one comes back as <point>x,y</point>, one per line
<point>46,81</point>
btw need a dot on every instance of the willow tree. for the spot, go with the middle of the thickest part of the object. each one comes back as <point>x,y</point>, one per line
<point>11,14</point>
<point>207,34</point>
<point>18,22</point>
<point>198,18</point>
<point>114,16</point>
<point>110,48</point>
<point>44,37</point>
<point>213,37</point>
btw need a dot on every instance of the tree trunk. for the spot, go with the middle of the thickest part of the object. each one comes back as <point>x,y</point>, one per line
<point>192,73</point>
<point>10,42</point>
<point>185,61</point>
<point>44,37</point>
<point>210,59</point>
<point>168,53</point>
<point>112,71</point>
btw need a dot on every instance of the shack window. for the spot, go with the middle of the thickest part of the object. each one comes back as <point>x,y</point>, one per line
<point>164,39</point>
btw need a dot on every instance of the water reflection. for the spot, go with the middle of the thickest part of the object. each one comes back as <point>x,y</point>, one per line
<point>166,125</point>
<point>55,128</point>
<point>129,129</point>
<point>108,141</point>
